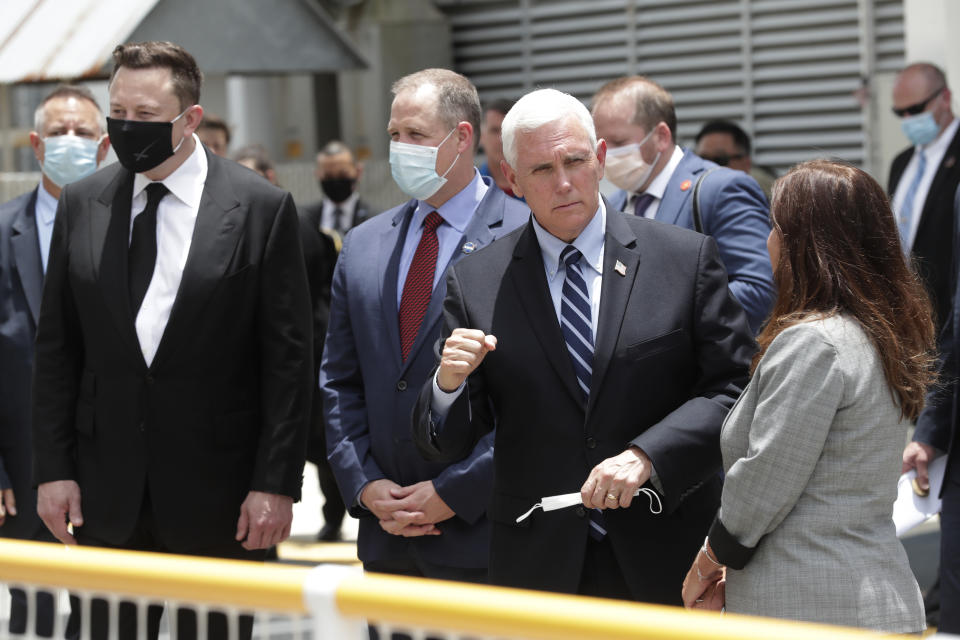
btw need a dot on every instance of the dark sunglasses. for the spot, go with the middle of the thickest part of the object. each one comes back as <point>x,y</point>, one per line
<point>914,109</point>
<point>724,161</point>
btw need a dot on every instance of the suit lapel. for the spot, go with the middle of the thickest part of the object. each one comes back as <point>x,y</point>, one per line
<point>26,255</point>
<point>110,240</point>
<point>533,291</point>
<point>948,166</point>
<point>219,226</point>
<point>675,198</point>
<point>391,248</point>
<point>619,246</point>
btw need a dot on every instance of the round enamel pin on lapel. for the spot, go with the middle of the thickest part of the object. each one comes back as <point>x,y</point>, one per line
<point>468,247</point>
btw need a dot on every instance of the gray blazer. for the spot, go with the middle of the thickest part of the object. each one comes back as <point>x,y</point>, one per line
<point>812,454</point>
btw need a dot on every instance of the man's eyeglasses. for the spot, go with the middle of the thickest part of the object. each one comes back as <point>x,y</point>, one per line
<point>914,109</point>
<point>724,160</point>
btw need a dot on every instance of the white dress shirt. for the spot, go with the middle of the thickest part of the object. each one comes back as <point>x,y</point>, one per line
<point>933,153</point>
<point>349,208</point>
<point>658,186</point>
<point>46,211</point>
<point>176,219</point>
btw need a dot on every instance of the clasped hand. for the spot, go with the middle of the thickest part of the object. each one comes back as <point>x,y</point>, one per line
<point>408,511</point>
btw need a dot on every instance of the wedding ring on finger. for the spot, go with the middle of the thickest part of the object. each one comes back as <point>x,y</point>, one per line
<point>610,496</point>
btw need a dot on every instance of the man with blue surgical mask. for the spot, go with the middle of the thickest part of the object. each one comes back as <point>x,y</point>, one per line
<point>416,517</point>
<point>924,177</point>
<point>69,144</point>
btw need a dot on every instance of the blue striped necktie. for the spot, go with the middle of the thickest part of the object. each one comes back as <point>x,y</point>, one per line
<point>576,325</point>
<point>575,318</point>
<point>908,207</point>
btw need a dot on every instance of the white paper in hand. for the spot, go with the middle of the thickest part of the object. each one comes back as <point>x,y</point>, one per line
<point>910,510</point>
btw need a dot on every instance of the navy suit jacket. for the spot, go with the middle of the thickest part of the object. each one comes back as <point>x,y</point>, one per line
<point>937,425</point>
<point>736,213</point>
<point>21,283</point>
<point>369,392</point>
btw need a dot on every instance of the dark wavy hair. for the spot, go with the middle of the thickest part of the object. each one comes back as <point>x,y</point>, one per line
<point>840,252</point>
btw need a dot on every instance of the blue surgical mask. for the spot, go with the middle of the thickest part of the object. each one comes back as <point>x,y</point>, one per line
<point>69,158</point>
<point>414,168</point>
<point>920,129</point>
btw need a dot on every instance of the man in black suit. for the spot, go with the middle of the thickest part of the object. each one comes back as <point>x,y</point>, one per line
<point>173,354</point>
<point>323,225</point>
<point>341,207</point>
<point>924,177</point>
<point>69,143</point>
<point>607,350</point>
<point>936,435</point>
<point>320,255</point>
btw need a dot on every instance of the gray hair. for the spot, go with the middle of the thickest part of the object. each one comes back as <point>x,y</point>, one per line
<point>538,108</point>
<point>64,91</point>
<point>334,148</point>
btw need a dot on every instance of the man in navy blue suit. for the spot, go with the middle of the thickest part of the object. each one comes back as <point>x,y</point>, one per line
<point>69,143</point>
<point>416,517</point>
<point>657,179</point>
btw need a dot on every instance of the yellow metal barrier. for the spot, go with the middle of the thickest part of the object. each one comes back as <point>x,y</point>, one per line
<point>398,602</point>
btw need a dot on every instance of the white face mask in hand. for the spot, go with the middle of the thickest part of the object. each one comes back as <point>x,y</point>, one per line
<point>414,168</point>
<point>552,503</point>
<point>625,166</point>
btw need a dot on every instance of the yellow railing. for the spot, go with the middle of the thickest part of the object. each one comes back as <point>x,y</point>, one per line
<point>399,602</point>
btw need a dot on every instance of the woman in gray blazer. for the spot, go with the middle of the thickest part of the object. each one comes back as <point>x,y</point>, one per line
<point>812,448</point>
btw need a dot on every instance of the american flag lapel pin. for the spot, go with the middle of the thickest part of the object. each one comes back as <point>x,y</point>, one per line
<point>620,268</point>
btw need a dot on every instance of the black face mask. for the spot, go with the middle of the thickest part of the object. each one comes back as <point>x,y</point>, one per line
<point>141,146</point>
<point>338,189</point>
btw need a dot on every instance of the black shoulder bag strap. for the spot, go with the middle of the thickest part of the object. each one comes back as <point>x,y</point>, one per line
<point>697,220</point>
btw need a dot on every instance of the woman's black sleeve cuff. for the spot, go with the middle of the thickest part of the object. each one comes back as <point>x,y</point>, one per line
<point>727,548</point>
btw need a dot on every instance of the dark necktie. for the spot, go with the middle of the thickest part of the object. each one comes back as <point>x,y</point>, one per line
<point>338,221</point>
<point>419,283</point>
<point>641,203</point>
<point>142,255</point>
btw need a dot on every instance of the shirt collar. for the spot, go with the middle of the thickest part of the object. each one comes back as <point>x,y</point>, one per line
<point>658,186</point>
<point>46,206</point>
<point>940,145</point>
<point>458,210</point>
<point>589,242</point>
<point>186,182</point>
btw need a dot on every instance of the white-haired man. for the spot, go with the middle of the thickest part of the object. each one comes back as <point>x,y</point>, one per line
<point>607,350</point>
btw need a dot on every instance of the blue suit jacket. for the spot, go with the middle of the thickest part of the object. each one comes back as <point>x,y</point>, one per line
<point>736,213</point>
<point>937,424</point>
<point>21,282</point>
<point>369,392</point>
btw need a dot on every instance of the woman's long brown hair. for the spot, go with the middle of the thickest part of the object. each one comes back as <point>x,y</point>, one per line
<point>840,252</point>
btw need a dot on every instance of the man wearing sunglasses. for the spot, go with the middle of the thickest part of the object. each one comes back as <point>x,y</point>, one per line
<point>924,177</point>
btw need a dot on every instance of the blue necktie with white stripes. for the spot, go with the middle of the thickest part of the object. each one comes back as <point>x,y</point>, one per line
<point>576,324</point>
<point>575,318</point>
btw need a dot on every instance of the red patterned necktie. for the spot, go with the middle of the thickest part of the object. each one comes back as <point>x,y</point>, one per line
<point>419,283</point>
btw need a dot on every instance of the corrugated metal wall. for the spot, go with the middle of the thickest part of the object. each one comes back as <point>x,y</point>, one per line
<point>787,70</point>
